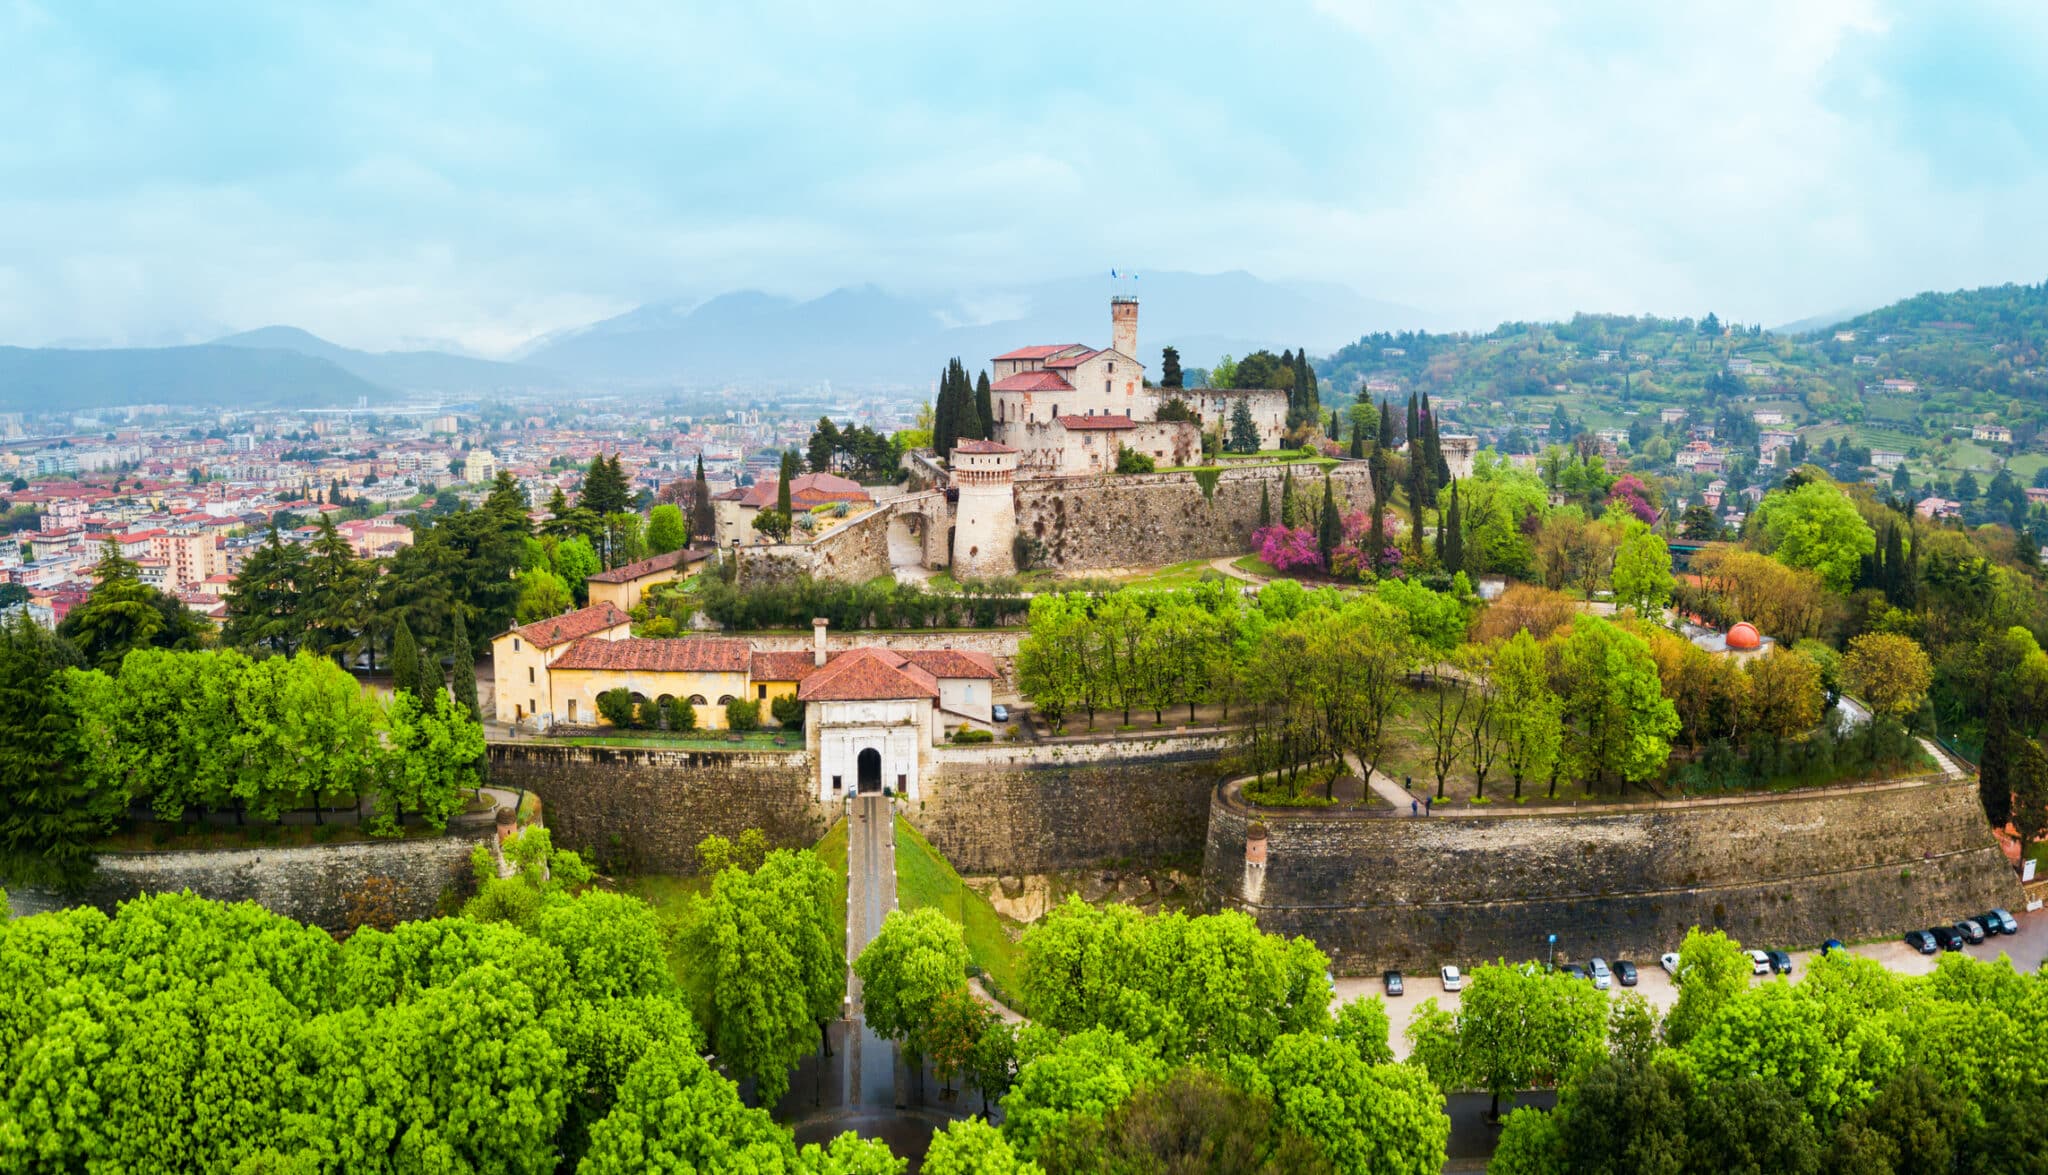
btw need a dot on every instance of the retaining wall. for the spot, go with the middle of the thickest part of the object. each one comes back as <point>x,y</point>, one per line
<point>855,551</point>
<point>636,808</point>
<point>311,883</point>
<point>1784,870</point>
<point>1138,520</point>
<point>1038,809</point>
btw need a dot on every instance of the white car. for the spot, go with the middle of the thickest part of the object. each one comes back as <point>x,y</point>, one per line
<point>1452,980</point>
<point>1602,977</point>
<point>1759,963</point>
<point>1669,961</point>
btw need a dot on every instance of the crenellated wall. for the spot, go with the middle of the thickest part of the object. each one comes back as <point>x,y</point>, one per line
<point>1782,870</point>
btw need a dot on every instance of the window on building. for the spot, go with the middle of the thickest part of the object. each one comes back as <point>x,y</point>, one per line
<point>761,692</point>
<point>836,785</point>
<point>1105,387</point>
<point>900,778</point>
<point>515,644</point>
<point>529,675</point>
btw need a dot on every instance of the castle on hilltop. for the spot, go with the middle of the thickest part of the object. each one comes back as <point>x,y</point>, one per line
<point>1067,409</point>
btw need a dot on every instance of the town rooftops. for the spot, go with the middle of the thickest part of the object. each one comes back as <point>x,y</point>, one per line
<point>1032,381</point>
<point>805,491</point>
<point>867,675</point>
<point>651,565</point>
<point>697,654</point>
<point>1097,423</point>
<point>572,626</point>
<point>981,447</point>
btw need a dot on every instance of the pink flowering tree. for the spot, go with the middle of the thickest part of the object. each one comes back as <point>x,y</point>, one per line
<point>1630,491</point>
<point>1288,549</point>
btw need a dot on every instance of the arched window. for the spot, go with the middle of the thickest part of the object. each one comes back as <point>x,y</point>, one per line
<point>724,698</point>
<point>696,699</point>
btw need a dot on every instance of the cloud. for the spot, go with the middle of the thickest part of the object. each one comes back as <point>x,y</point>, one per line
<point>486,174</point>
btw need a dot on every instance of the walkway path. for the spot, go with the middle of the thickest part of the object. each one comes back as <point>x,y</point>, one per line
<point>870,895</point>
<point>1948,765</point>
<point>1227,565</point>
<point>1384,787</point>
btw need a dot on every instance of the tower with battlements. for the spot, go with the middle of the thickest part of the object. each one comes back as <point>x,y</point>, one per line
<point>985,517</point>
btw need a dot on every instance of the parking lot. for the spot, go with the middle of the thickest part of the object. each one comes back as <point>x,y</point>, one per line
<point>2027,949</point>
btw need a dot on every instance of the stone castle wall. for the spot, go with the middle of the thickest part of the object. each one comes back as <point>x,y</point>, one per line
<point>311,883</point>
<point>1039,809</point>
<point>1138,520</point>
<point>855,551</point>
<point>634,808</point>
<point>1785,870</point>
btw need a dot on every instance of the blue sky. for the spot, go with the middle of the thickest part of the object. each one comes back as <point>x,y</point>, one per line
<point>394,174</point>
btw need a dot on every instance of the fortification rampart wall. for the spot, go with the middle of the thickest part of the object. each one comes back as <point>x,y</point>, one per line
<point>1787,870</point>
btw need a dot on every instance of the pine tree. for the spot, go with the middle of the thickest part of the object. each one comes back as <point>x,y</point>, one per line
<point>1453,525</point>
<point>1244,431</point>
<point>1265,505</point>
<point>604,487</point>
<point>984,408</point>
<point>405,662</point>
<point>464,673</point>
<point>703,521</point>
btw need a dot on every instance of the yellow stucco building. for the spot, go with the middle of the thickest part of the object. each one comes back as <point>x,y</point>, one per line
<point>624,587</point>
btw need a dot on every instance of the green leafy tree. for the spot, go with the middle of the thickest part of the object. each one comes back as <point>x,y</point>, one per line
<point>1817,528</point>
<point>575,562</point>
<point>1890,671</point>
<point>123,613</point>
<point>973,1147</point>
<point>50,811</point>
<point>1363,1117</point>
<point>1620,724</point>
<point>1642,570</point>
<point>1712,969</point>
<point>542,594</point>
<point>666,530</point>
<point>1517,1027</point>
<point>674,1114</point>
<point>910,964</point>
<point>266,602</point>
<point>431,760</point>
<point>776,977</point>
<point>1192,1121</point>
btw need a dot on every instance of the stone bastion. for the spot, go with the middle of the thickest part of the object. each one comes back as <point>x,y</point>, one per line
<point>1786,869</point>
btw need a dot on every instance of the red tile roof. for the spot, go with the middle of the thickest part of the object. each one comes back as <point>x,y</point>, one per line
<point>806,491</point>
<point>981,447</point>
<point>1074,360</point>
<point>951,663</point>
<point>1032,381</point>
<point>649,566</point>
<point>866,675</point>
<point>794,666</point>
<point>1085,423</point>
<point>1039,352</point>
<point>683,655</point>
<point>571,626</point>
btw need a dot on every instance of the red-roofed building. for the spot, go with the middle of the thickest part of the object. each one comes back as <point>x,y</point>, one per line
<point>736,509</point>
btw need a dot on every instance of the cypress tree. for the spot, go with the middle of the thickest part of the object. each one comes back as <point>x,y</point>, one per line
<point>1454,535</point>
<point>1386,425</point>
<point>1169,368</point>
<point>985,408</point>
<point>1414,426</point>
<point>967,424</point>
<point>1293,388</point>
<point>785,474</point>
<point>1331,531</point>
<point>1287,507</point>
<point>405,661</point>
<point>1358,441</point>
<point>703,522</point>
<point>1265,505</point>
<point>1312,395</point>
<point>465,670</point>
<point>1376,534</point>
<point>943,413</point>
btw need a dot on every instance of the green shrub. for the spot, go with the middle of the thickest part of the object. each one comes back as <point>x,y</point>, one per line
<point>787,710</point>
<point>681,714</point>
<point>616,706</point>
<point>969,734</point>
<point>743,714</point>
<point>1129,460</point>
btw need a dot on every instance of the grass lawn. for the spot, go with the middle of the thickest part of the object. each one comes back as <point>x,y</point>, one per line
<point>1173,575</point>
<point>832,851</point>
<point>925,878</point>
<point>756,740</point>
<point>1256,566</point>
<point>1970,455</point>
<point>2026,465</point>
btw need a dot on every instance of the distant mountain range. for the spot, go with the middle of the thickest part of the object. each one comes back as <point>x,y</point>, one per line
<point>274,366</point>
<point>866,336</point>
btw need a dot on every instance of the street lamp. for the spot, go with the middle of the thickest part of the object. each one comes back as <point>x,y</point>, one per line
<point>1553,953</point>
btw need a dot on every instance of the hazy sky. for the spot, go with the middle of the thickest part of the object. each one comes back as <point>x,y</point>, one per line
<point>392,173</point>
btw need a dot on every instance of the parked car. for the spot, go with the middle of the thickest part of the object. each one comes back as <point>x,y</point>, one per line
<point>1391,980</point>
<point>1624,973</point>
<point>1452,981</point>
<point>1602,977</point>
<point>1831,946</point>
<point>1946,937</point>
<point>1780,962</point>
<point>999,712</point>
<point>1971,930</point>
<point>1922,941</point>
<point>1669,961</point>
<point>2004,921</point>
<point>1575,971</point>
<point>1759,963</point>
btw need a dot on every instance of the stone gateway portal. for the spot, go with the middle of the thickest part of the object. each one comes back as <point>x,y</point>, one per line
<point>869,767</point>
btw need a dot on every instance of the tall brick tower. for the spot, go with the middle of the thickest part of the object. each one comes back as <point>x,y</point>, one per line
<point>985,517</point>
<point>1123,325</point>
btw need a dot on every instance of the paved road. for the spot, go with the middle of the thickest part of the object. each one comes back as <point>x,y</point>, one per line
<point>2027,950</point>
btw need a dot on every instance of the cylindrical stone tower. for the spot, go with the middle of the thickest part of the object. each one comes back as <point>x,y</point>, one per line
<point>985,517</point>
